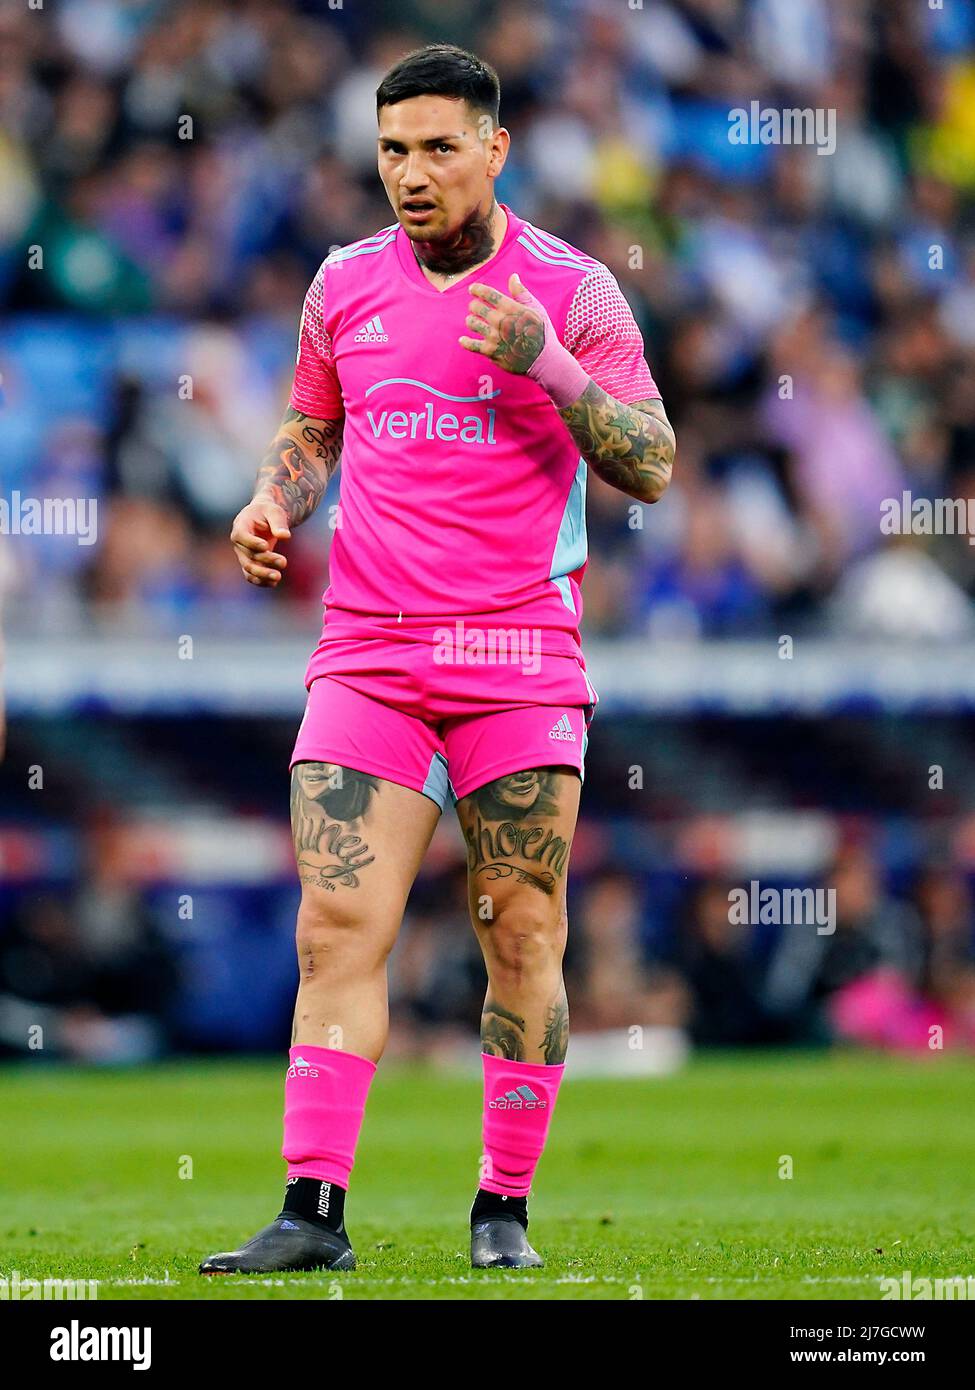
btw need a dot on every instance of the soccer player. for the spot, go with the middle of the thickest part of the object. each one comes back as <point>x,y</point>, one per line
<point>469,368</point>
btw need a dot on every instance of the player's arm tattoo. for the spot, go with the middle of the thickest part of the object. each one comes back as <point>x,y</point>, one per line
<point>303,456</point>
<point>329,805</point>
<point>631,447</point>
<point>556,1040</point>
<point>502,1033</point>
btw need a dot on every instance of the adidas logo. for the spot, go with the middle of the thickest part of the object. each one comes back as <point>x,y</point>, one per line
<point>524,1098</point>
<point>372,332</point>
<point>563,730</point>
<point>299,1067</point>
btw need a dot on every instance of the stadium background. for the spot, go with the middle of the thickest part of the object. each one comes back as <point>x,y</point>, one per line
<point>147,893</point>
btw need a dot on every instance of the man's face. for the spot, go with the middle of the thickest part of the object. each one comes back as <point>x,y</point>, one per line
<point>438,153</point>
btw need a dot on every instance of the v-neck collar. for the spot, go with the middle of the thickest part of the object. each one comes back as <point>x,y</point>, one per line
<point>413,273</point>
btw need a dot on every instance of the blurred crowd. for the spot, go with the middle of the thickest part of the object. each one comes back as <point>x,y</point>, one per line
<point>104,973</point>
<point>172,174</point>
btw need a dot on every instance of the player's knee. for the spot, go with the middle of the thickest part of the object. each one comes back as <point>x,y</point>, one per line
<point>524,939</point>
<point>335,934</point>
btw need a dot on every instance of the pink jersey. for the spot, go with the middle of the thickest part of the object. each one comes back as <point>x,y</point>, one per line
<point>462,492</point>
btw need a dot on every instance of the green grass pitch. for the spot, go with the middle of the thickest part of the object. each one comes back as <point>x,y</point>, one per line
<point>660,1189</point>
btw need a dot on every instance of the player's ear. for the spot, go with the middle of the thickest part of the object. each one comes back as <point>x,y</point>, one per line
<point>500,143</point>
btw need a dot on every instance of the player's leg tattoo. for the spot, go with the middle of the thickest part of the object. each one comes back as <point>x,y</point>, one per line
<point>506,833</point>
<point>359,842</point>
<point>502,1032</point>
<point>518,830</point>
<point>556,1039</point>
<point>329,805</point>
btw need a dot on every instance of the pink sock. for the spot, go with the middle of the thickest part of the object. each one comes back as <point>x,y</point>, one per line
<point>519,1098</point>
<point>324,1101</point>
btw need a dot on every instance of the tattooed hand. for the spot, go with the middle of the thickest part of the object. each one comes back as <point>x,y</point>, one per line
<point>631,447</point>
<point>512,332</point>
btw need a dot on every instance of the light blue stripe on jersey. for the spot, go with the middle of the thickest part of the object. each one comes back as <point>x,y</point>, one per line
<point>367,243</point>
<point>566,262</point>
<point>556,245</point>
<point>555,255</point>
<point>339,258</point>
<point>571,546</point>
<point>363,248</point>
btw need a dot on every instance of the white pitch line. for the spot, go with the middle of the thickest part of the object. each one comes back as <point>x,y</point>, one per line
<point>404,1281</point>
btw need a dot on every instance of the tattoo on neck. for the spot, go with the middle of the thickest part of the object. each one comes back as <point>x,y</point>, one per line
<point>471,244</point>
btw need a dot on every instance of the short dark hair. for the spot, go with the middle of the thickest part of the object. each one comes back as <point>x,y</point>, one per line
<point>443,70</point>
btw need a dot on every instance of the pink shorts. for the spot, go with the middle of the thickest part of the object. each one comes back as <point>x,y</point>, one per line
<point>387,708</point>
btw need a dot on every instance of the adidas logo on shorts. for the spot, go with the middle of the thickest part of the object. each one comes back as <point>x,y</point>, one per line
<point>563,730</point>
